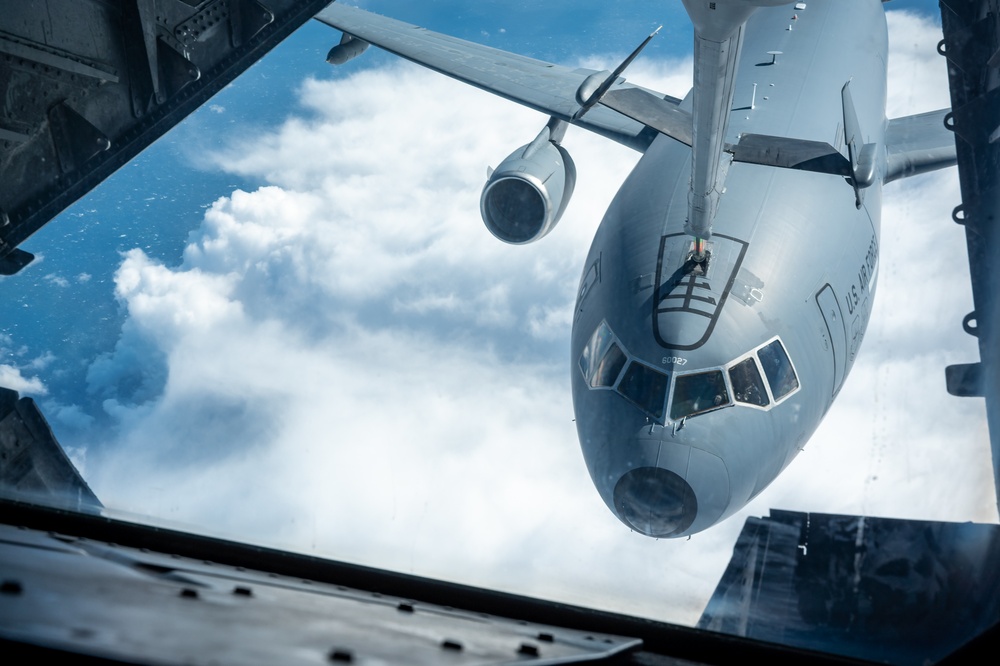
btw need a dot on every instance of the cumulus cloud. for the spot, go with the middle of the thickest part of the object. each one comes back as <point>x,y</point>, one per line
<point>918,75</point>
<point>11,377</point>
<point>345,360</point>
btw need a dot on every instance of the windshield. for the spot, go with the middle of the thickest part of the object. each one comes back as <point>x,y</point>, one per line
<point>284,323</point>
<point>698,393</point>
<point>747,384</point>
<point>778,369</point>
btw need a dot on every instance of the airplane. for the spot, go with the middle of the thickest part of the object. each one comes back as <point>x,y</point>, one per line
<point>728,288</point>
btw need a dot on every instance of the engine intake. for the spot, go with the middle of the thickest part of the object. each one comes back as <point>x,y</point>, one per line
<point>526,195</point>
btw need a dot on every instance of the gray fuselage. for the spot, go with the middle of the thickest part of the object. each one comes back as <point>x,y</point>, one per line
<point>685,407</point>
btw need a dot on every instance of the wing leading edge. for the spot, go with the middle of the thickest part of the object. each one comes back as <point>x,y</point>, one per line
<point>548,88</point>
<point>628,114</point>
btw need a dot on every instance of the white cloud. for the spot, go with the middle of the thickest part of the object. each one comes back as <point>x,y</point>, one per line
<point>347,361</point>
<point>918,75</point>
<point>11,378</point>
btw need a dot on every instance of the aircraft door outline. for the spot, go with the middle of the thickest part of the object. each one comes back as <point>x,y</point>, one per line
<point>833,317</point>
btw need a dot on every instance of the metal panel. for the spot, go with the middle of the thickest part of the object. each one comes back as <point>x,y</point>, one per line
<point>121,603</point>
<point>87,84</point>
<point>971,42</point>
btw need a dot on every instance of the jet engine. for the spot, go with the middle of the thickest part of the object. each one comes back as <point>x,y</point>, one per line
<point>526,195</point>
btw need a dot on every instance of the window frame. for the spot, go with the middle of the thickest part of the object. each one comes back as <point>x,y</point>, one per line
<point>767,382</point>
<point>664,417</point>
<point>629,359</point>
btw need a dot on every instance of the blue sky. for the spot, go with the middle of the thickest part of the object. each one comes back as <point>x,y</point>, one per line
<point>285,322</point>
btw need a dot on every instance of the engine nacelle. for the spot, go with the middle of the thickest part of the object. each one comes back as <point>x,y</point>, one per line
<point>526,195</point>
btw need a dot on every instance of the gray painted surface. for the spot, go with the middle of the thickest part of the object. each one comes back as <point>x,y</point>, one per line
<point>33,466</point>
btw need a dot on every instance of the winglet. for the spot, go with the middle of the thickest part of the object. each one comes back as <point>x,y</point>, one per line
<point>593,88</point>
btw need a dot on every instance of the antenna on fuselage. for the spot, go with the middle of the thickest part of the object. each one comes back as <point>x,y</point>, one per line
<point>597,84</point>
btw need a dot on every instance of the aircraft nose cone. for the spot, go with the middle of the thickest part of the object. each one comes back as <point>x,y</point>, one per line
<point>655,501</point>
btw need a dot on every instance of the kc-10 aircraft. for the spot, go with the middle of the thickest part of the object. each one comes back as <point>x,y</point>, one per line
<point>729,285</point>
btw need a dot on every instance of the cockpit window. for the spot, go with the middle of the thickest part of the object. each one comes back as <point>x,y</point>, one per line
<point>595,350</point>
<point>646,388</point>
<point>748,385</point>
<point>610,365</point>
<point>778,369</point>
<point>698,393</point>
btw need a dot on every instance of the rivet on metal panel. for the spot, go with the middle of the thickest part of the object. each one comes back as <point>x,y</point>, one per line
<point>449,644</point>
<point>189,593</point>
<point>341,655</point>
<point>405,607</point>
<point>528,650</point>
<point>242,591</point>
<point>546,637</point>
<point>11,587</point>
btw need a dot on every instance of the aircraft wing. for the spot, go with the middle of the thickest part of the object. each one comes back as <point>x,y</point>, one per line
<point>545,87</point>
<point>918,144</point>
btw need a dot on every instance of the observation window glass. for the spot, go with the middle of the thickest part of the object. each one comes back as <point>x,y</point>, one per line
<point>698,393</point>
<point>302,349</point>
<point>646,388</point>
<point>748,385</point>
<point>778,369</point>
